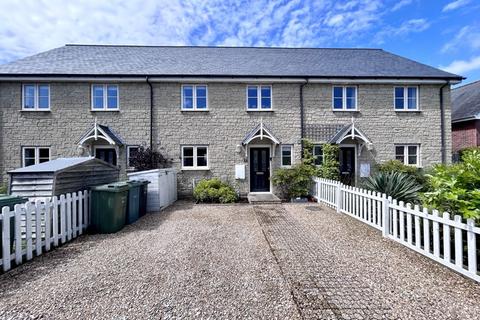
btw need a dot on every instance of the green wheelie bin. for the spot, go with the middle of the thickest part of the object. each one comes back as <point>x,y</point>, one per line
<point>9,201</point>
<point>133,203</point>
<point>109,207</point>
<point>143,197</point>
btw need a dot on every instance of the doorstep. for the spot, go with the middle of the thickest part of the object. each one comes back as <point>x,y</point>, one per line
<point>262,198</point>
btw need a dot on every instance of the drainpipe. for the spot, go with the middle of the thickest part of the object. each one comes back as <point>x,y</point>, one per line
<point>151,112</point>
<point>302,120</point>
<point>442,124</point>
<point>151,118</point>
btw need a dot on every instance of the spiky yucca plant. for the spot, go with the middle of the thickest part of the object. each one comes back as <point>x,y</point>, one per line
<point>398,185</point>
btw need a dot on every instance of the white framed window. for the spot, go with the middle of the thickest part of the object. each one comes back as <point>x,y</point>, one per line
<point>194,157</point>
<point>318,154</point>
<point>36,97</point>
<point>287,155</point>
<point>259,97</point>
<point>194,97</point>
<point>131,153</point>
<point>405,98</point>
<point>344,98</point>
<point>408,154</point>
<point>105,97</point>
<point>35,155</point>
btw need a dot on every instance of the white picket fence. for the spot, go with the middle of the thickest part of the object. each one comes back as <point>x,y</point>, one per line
<point>43,225</point>
<point>452,243</point>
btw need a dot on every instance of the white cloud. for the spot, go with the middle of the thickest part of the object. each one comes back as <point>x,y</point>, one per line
<point>455,5</point>
<point>463,66</point>
<point>407,27</point>
<point>468,37</point>
<point>401,4</point>
<point>31,26</point>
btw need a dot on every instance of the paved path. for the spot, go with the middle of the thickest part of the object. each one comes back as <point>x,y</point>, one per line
<point>293,261</point>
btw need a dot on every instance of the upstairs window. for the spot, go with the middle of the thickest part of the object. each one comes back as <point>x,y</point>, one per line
<point>195,157</point>
<point>194,97</point>
<point>408,154</point>
<point>259,98</point>
<point>105,97</point>
<point>35,155</point>
<point>287,155</point>
<point>36,97</point>
<point>344,98</point>
<point>406,98</point>
<point>318,154</point>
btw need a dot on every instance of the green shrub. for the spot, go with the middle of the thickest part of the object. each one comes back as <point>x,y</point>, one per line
<point>297,181</point>
<point>214,191</point>
<point>398,185</point>
<point>3,189</point>
<point>467,150</point>
<point>330,168</point>
<point>398,166</point>
<point>455,188</point>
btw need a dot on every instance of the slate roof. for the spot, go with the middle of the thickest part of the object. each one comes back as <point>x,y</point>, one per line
<point>53,165</point>
<point>466,102</point>
<point>111,60</point>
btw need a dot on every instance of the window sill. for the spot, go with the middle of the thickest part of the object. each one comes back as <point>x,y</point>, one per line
<point>408,111</point>
<point>343,110</point>
<point>195,169</point>
<point>194,110</point>
<point>113,110</point>
<point>259,110</point>
<point>35,110</point>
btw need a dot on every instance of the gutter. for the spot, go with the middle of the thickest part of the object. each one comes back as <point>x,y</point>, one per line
<point>471,118</point>
<point>442,124</point>
<point>151,112</point>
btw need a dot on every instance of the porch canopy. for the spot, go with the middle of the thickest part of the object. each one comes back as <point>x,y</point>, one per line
<point>352,132</point>
<point>99,135</point>
<point>100,132</point>
<point>260,131</point>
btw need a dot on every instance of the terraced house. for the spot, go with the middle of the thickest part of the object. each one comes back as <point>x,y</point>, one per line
<point>233,113</point>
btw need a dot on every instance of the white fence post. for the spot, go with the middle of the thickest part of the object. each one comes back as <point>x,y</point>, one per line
<point>472,247</point>
<point>338,196</point>
<point>6,238</point>
<point>19,209</point>
<point>385,215</point>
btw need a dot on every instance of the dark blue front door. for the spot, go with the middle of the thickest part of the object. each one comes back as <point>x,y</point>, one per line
<point>260,169</point>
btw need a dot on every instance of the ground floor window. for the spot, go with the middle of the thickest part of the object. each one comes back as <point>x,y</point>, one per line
<point>35,155</point>
<point>132,152</point>
<point>408,154</point>
<point>194,157</point>
<point>108,155</point>
<point>318,154</point>
<point>287,155</point>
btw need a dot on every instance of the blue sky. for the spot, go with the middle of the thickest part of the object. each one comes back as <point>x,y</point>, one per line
<point>444,34</point>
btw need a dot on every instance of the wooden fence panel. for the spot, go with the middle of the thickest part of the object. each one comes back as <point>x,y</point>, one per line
<point>37,226</point>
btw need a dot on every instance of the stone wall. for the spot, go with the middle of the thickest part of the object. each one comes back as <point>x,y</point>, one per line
<point>222,127</point>
<point>384,126</point>
<point>70,117</point>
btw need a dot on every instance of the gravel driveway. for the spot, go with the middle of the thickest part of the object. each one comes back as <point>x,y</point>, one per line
<point>288,261</point>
